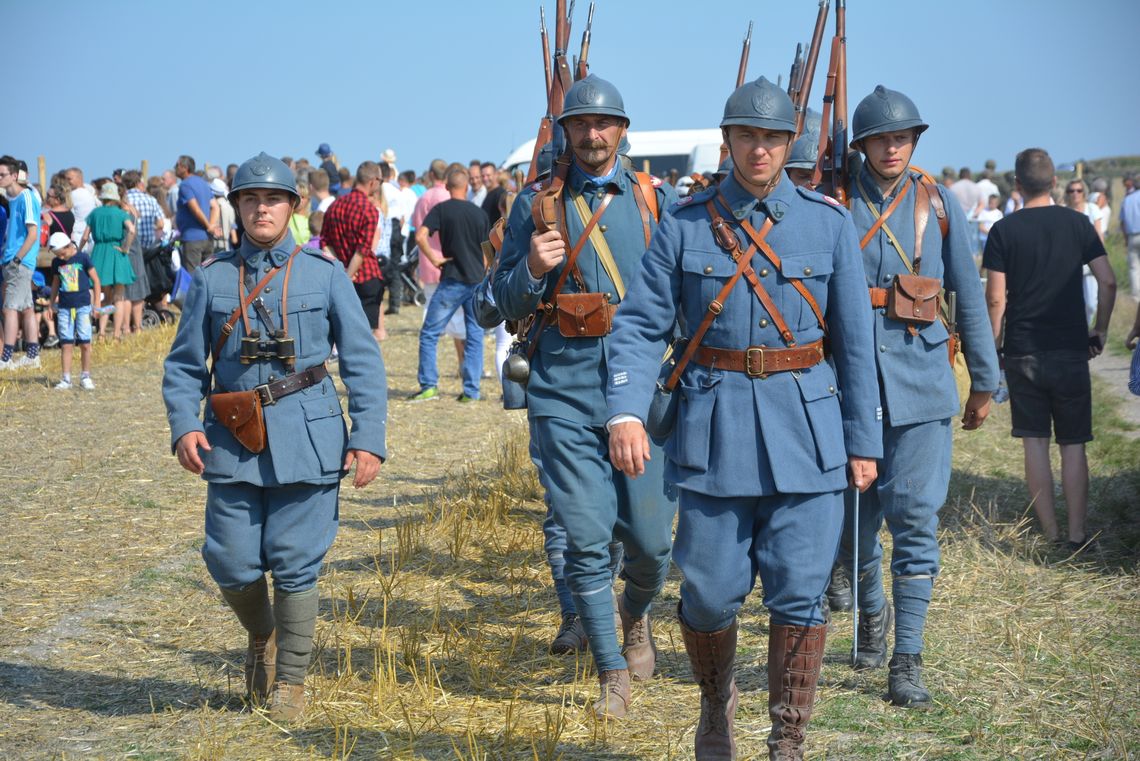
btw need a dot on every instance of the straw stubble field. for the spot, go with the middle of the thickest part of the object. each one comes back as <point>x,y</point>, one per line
<point>437,608</point>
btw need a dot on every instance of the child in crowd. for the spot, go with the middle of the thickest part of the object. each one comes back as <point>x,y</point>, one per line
<point>73,278</point>
<point>316,222</point>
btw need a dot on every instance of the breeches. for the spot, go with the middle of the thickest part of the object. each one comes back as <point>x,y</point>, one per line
<point>723,542</point>
<point>285,530</point>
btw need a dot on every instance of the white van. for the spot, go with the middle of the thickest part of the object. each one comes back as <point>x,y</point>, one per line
<point>654,151</point>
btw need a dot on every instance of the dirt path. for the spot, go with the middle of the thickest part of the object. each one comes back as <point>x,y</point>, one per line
<point>1113,369</point>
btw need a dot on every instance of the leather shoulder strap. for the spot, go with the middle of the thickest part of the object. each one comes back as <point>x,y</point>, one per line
<point>645,195</point>
<point>921,216</point>
<point>939,208</point>
<point>880,219</point>
<point>228,327</point>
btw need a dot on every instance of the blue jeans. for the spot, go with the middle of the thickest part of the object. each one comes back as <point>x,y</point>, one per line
<point>914,475</point>
<point>450,296</point>
<point>285,530</point>
<point>722,543</point>
<point>596,504</point>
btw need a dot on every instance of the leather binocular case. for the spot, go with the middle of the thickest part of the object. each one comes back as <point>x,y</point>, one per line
<point>914,299</point>
<point>584,315</point>
<point>240,412</point>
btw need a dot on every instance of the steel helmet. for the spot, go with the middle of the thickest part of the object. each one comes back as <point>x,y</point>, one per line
<point>593,95</point>
<point>885,111</point>
<point>760,104</point>
<point>805,151</point>
<point>263,171</point>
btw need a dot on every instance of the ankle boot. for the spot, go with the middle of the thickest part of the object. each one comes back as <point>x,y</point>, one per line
<point>251,604</point>
<point>873,628</point>
<point>296,616</point>
<point>713,656</point>
<point>795,656</point>
<point>904,683</point>
<point>614,701</point>
<point>571,636</point>
<point>839,589</point>
<point>638,648</point>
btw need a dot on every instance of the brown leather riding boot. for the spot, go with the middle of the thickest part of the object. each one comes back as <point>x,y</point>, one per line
<point>795,655</point>
<point>713,658</point>
<point>638,648</point>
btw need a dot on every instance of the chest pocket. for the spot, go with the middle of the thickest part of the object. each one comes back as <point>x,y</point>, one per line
<point>221,307</point>
<point>814,269</point>
<point>705,272</point>
<point>308,316</point>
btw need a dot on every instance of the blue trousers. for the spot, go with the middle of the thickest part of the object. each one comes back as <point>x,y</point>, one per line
<point>450,296</point>
<point>914,476</point>
<point>596,505</point>
<point>285,530</point>
<point>723,542</point>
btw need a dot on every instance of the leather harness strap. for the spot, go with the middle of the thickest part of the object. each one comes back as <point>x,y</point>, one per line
<point>240,312</point>
<point>547,308</point>
<point>881,218</point>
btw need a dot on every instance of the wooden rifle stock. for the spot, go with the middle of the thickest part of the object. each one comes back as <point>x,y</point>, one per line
<point>546,124</point>
<point>545,53</point>
<point>839,129</point>
<point>809,65</point>
<point>583,65</point>
<point>828,99</point>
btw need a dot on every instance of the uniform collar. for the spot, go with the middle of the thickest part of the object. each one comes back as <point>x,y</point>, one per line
<point>580,182</point>
<point>869,188</point>
<point>252,254</point>
<point>742,203</point>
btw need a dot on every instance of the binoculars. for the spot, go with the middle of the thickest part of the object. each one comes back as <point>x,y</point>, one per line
<point>280,346</point>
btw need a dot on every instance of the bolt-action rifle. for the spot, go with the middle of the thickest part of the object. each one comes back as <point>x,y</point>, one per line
<point>741,72</point>
<point>832,159</point>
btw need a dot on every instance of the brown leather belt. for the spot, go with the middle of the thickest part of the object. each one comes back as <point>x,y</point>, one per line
<point>760,361</point>
<point>269,393</point>
<point>878,297</point>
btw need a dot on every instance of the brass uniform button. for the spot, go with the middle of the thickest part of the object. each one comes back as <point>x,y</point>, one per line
<point>708,270</point>
<point>764,272</point>
<point>807,271</point>
<point>764,323</point>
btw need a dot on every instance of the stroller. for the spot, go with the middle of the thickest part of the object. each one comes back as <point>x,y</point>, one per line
<point>406,271</point>
<point>159,262</point>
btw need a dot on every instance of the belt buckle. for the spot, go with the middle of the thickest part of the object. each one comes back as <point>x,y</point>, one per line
<point>264,395</point>
<point>748,366</point>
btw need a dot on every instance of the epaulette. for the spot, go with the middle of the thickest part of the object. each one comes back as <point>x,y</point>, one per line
<point>321,254</point>
<point>216,257</point>
<point>814,195</point>
<point>683,202</point>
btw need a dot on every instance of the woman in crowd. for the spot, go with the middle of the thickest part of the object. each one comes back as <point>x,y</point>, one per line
<point>136,293</point>
<point>113,232</point>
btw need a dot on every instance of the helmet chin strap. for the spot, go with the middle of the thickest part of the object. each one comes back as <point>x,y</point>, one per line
<point>871,166</point>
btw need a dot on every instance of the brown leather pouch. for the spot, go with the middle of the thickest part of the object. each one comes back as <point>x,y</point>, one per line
<point>914,299</point>
<point>240,412</point>
<point>584,315</point>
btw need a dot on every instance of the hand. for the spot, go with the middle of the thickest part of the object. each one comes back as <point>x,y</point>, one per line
<point>629,447</point>
<point>216,231</point>
<point>1133,337</point>
<point>546,252</point>
<point>977,410</point>
<point>367,466</point>
<point>862,472</point>
<point>187,451</point>
<point>120,249</point>
<point>1096,343</point>
<point>438,263</point>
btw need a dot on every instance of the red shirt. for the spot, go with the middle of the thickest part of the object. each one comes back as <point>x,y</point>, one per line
<point>350,224</point>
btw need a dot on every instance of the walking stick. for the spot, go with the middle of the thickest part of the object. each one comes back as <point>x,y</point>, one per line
<point>855,578</point>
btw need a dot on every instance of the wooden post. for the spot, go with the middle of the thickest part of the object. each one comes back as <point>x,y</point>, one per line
<point>1080,170</point>
<point>645,165</point>
<point>145,170</point>
<point>43,176</point>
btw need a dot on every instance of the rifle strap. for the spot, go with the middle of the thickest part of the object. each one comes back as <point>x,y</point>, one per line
<point>645,194</point>
<point>601,246</point>
<point>724,235</point>
<point>547,309</point>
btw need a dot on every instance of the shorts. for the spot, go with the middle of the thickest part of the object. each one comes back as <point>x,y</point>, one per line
<point>17,286</point>
<point>74,325</point>
<point>1050,387</point>
<point>370,292</point>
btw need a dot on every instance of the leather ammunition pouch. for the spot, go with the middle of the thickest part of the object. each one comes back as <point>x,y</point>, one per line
<point>914,299</point>
<point>584,315</point>
<point>240,412</point>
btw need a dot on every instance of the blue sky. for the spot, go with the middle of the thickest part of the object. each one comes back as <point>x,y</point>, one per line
<point>107,84</point>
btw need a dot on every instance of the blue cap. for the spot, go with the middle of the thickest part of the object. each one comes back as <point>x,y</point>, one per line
<point>324,150</point>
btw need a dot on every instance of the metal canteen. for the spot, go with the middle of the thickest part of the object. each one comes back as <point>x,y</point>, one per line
<point>516,368</point>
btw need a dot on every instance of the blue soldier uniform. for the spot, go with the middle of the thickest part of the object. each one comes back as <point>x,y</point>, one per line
<point>566,404</point>
<point>276,510</point>
<point>759,462</point>
<point>919,397</point>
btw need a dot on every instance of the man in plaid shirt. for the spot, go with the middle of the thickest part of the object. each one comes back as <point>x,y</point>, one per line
<point>349,231</point>
<point>150,214</point>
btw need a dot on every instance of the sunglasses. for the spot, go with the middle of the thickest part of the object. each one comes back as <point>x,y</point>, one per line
<point>1074,190</point>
